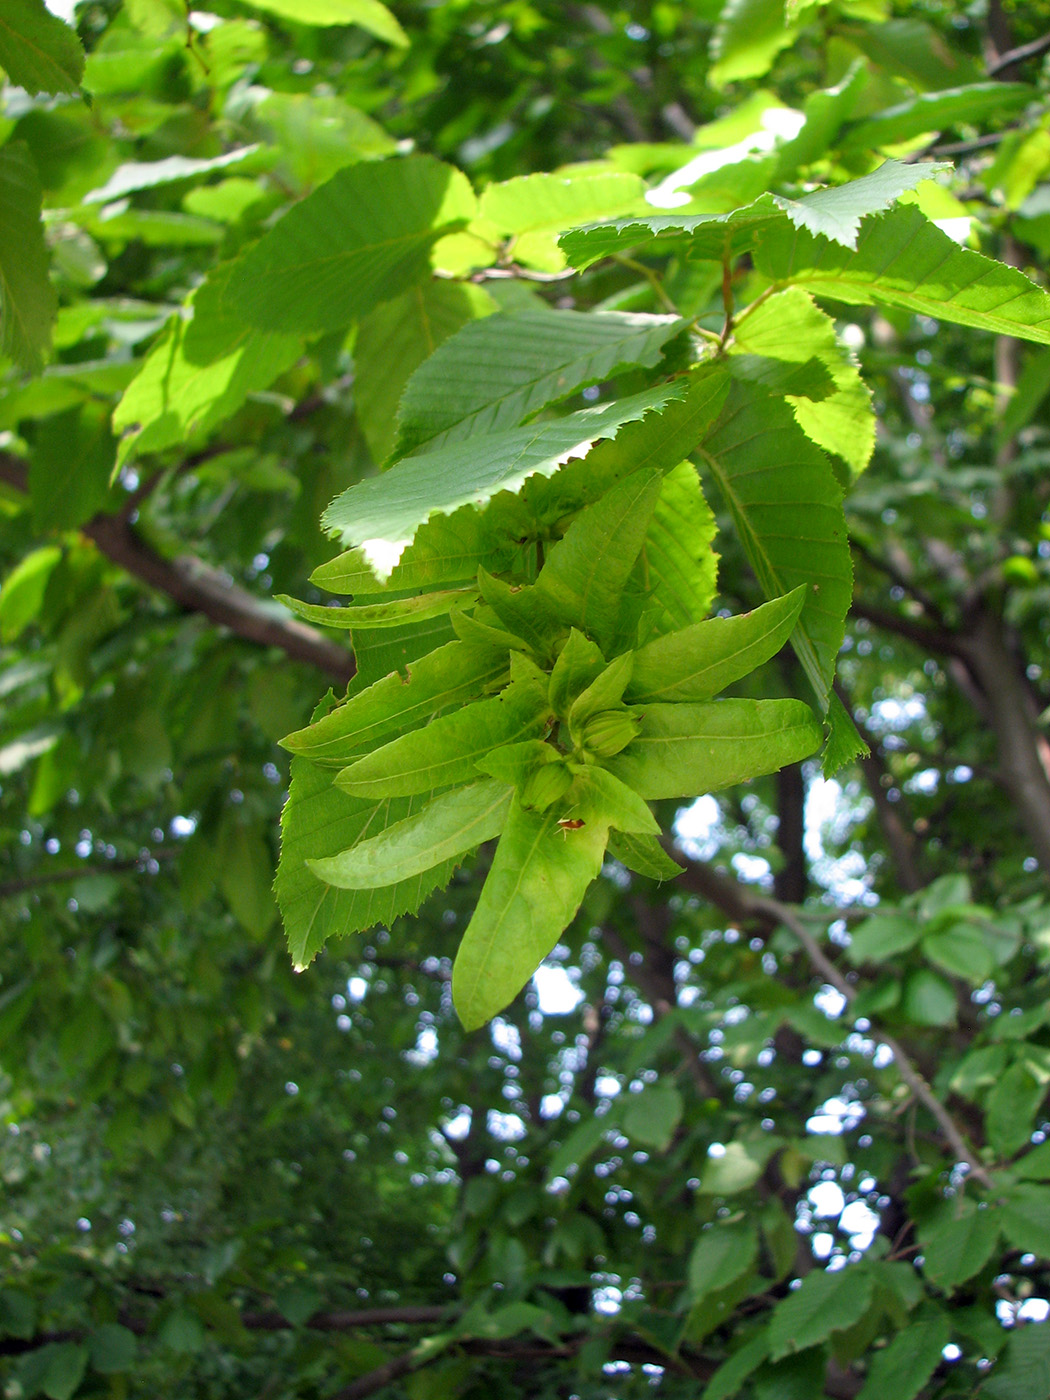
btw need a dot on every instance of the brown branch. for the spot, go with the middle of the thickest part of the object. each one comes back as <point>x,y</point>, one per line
<point>1018,55</point>
<point>899,836</point>
<point>198,588</point>
<point>743,906</point>
<point>61,877</point>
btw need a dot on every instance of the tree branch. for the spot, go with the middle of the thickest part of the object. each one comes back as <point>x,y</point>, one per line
<point>743,906</point>
<point>200,589</point>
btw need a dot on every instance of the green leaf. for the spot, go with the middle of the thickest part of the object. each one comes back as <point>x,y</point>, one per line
<point>686,750</point>
<point>881,938</point>
<point>319,820</point>
<point>651,1117</point>
<point>931,112</point>
<point>383,514</point>
<point>246,875</point>
<point>445,750</point>
<point>694,236</point>
<point>731,1375</point>
<point>38,51</point>
<point>27,298</point>
<point>17,1313</point>
<point>147,175</point>
<point>366,14</point>
<point>113,1348</point>
<point>749,36</point>
<point>451,675</point>
<point>447,549</point>
<point>604,692</point>
<point>825,114</point>
<point>916,51</point>
<point>959,1244</point>
<point>961,950</point>
<point>22,594</point>
<point>199,373</point>
<point>538,878</point>
<point>644,855</point>
<point>680,566</point>
<point>523,611</point>
<point>532,209</point>
<point>399,336</point>
<point>836,213</point>
<point>844,741</point>
<point>599,798</point>
<point>66,1362</point>
<point>699,661</point>
<point>724,1251</point>
<point>497,372</point>
<point>1024,1214</point>
<point>70,467</point>
<point>448,827</point>
<point>579,663</point>
<point>738,1168</point>
<point>371,615</point>
<point>787,508</point>
<point>1032,388</point>
<point>928,1000</point>
<point>789,326</point>
<point>584,574</point>
<point>904,260</point>
<point>824,1303</point>
<point>358,240</point>
<point>1023,1370</point>
<point>1012,1108</point>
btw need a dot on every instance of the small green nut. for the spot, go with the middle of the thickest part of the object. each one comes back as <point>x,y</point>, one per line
<point>609,731</point>
<point>545,786</point>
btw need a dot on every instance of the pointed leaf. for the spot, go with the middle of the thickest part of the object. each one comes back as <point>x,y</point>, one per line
<point>358,240</point>
<point>447,549</point>
<point>495,373</point>
<point>399,336</point>
<point>825,1303</point>
<point>448,827</point>
<point>444,751</point>
<point>147,175</point>
<point>579,662</point>
<point>680,565</point>
<point>688,750</point>
<point>601,799</point>
<point>836,212</point>
<point>538,878</point>
<point>371,615</point>
<point>533,209</point>
<point>604,692</point>
<point>825,113</point>
<point>450,675</point>
<point>199,373</point>
<point>723,1252</point>
<point>960,1245</point>
<point>320,820</point>
<point>644,855</point>
<point>584,574</point>
<point>523,610</point>
<point>38,51</point>
<point>749,36</point>
<point>27,298</point>
<point>789,326</point>
<point>931,112</point>
<point>383,513</point>
<point>904,260</point>
<point>366,14</point>
<point>788,512</point>
<point>699,661</point>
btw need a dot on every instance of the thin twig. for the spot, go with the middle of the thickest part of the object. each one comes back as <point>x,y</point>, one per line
<point>911,1076</point>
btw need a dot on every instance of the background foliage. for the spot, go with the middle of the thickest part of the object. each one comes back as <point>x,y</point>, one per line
<point>773,1129</point>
